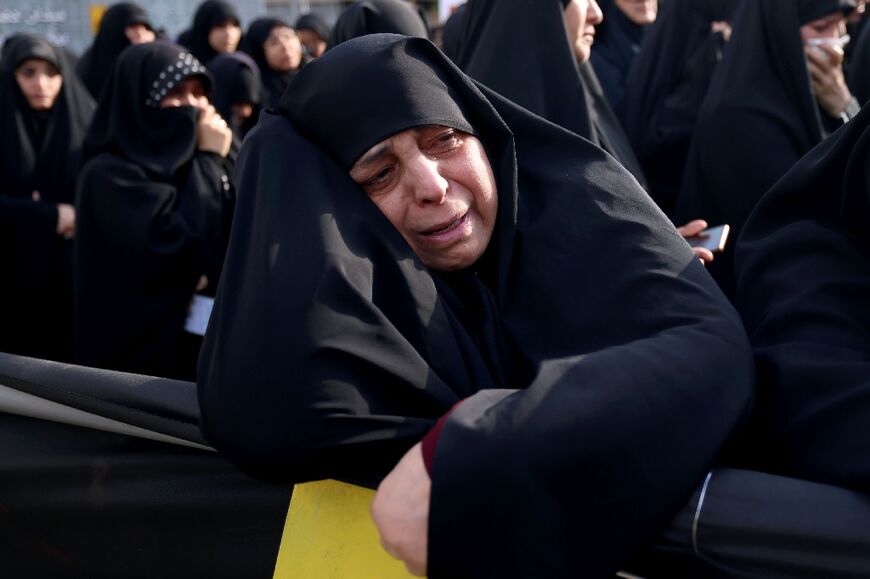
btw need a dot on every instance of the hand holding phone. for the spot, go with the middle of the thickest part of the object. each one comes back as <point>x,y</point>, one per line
<point>713,238</point>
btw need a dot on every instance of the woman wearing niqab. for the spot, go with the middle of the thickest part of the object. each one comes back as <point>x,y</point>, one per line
<point>803,280</point>
<point>378,16</point>
<point>522,51</point>
<point>113,37</point>
<point>40,158</point>
<point>216,29</point>
<point>617,43</point>
<point>596,367</point>
<point>154,206</point>
<point>279,37</point>
<point>759,117</point>
<point>666,86</point>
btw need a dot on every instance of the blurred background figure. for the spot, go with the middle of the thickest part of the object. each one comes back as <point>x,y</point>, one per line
<point>216,30</point>
<point>375,16</point>
<point>313,33</point>
<point>122,25</point>
<point>276,49</point>
<point>44,115</point>
<point>238,91</point>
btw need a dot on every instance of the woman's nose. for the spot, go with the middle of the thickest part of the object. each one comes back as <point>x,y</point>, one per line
<point>428,185</point>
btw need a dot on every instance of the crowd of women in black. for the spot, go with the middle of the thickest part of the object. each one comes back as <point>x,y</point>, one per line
<point>119,191</point>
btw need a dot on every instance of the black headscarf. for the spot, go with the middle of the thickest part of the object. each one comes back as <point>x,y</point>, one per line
<point>759,117</point>
<point>315,24</point>
<point>39,151</point>
<point>859,69</point>
<point>451,35</point>
<point>152,216</point>
<point>274,81</point>
<point>236,81</point>
<point>598,366</point>
<point>377,16</point>
<point>666,86</point>
<point>99,60</point>
<point>210,14</point>
<point>617,42</point>
<point>521,50</point>
<point>803,273</point>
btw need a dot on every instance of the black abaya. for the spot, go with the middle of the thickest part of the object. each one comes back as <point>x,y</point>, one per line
<point>666,86</point>
<point>803,281</point>
<point>598,366</point>
<point>153,215</point>
<point>97,63</point>
<point>759,117</point>
<point>40,152</point>
<point>209,14</point>
<point>521,50</point>
<point>378,16</point>
<point>859,69</point>
<point>274,82</point>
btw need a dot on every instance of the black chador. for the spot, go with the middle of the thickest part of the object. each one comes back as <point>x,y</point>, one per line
<point>378,16</point>
<point>274,81</point>
<point>209,14</point>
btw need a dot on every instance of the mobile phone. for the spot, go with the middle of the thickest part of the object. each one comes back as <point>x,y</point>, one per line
<point>712,238</point>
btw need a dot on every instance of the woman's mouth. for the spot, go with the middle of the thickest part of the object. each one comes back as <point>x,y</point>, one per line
<point>445,230</point>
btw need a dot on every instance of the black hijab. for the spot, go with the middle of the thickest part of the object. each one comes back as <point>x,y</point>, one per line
<point>236,81</point>
<point>40,151</point>
<point>859,69</point>
<point>377,16</point>
<point>759,117</point>
<point>274,82</point>
<point>666,86</point>
<point>521,50</point>
<point>803,272</point>
<point>594,395</point>
<point>617,42</point>
<point>315,24</point>
<point>99,60</point>
<point>210,14</point>
<point>152,216</point>
<point>451,35</point>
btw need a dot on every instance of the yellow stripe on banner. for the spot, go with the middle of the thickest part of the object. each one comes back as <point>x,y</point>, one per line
<point>329,534</point>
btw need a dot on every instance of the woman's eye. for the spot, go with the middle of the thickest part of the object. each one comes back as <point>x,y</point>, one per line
<point>446,142</point>
<point>378,179</point>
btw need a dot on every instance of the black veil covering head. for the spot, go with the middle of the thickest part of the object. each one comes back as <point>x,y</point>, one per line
<point>759,117</point>
<point>314,23</point>
<point>39,151</point>
<point>274,82</point>
<point>666,86</point>
<point>565,351</point>
<point>236,81</point>
<point>859,70</point>
<point>209,14</point>
<point>97,63</point>
<point>451,35</point>
<point>803,281</point>
<point>377,16</point>
<point>129,120</point>
<point>521,50</point>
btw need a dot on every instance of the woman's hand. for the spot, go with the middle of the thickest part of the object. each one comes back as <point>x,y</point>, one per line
<point>212,133</point>
<point>401,511</point>
<point>691,229</point>
<point>825,64</point>
<point>66,220</point>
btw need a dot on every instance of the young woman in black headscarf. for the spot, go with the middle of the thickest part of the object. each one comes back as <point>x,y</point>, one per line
<point>667,84</point>
<point>378,16</point>
<point>154,205</point>
<point>773,98</point>
<point>238,91</point>
<point>420,242</point>
<point>216,29</point>
<point>617,42</point>
<point>44,114</point>
<point>277,51</point>
<point>313,33</point>
<point>123,24</point>
<point>803,282</point>
<point>522,51</point>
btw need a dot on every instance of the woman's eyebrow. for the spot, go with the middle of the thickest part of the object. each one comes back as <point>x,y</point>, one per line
<point>374,154</point>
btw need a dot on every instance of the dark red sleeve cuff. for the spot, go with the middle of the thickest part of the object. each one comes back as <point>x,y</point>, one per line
<point>430,441</point>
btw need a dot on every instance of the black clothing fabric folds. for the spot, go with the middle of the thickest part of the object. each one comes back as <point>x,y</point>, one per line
<point>598,366</point>
<point>665,88</point>
<point>803,272</point>
<point>153,214</point>
<point>377,16</point>
<point>451,34</point>
<point>40,152</point>
<point>210,14</point>
<point>274,82</point>
<point>759,117</point>
<point>617,42</point>
<point>859,69</point>
<point>98,61</point>
<point>236,81</point>
<point>315,24</point>
<point>536,68</point>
